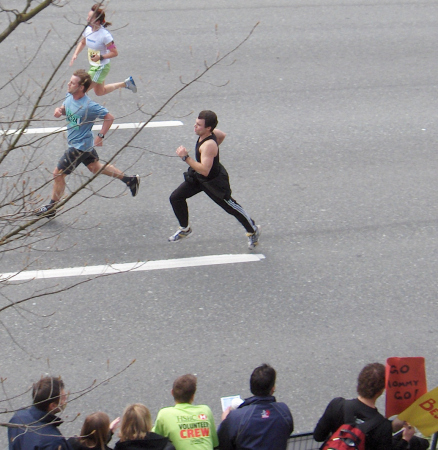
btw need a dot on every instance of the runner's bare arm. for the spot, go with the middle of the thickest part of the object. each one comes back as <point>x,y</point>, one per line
<point>78,50</point>
<point>60,111</point>
<point>107,122</point>
<point>112,50</point>
<point>220,136</point>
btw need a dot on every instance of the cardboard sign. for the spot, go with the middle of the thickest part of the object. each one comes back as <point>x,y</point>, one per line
<point>405,383</point>
<point>423,414</point>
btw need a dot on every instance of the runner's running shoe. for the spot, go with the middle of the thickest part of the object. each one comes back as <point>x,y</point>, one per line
<point>180,234</point>
<point>134,185</point>
<point>47,211</point>
<point>130,84</point>
<point>253,238</point>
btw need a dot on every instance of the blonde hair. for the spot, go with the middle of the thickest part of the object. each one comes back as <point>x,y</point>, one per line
<point>136,422</point>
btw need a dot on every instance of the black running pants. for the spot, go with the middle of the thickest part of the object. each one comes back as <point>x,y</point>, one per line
<point>178,200</point>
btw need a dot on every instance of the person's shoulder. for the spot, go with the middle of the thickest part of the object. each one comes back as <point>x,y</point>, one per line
<point>209,145</point>
<point>282,405</point>
<point>336,404</point>
<point>20,416</point>
<point>152,436</point>
<point>74,443</point>
<point>95,104</point>
<point>234,414</point>
<point>86,102</point>
<point>91,104</point>
<point>203,406</point>
<point>88,30</point>
<point>166,411</point>
<point>203,409</point>
<point>337,401</point>
<point>244,409</point>
<point>106,33</point>
<point>211,140</point>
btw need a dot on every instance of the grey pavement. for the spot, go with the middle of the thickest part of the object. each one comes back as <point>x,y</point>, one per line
<point>330,110</point>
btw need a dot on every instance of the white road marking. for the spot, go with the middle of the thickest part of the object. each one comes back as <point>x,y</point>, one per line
<point>115,126</point>
<point>131,267</point>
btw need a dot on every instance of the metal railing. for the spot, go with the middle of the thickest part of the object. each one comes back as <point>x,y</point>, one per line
<point>303,441</point>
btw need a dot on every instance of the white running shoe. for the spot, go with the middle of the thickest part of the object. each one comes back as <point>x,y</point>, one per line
<point>180,234</point>
<point>130,84</point>
<point>253,238</point>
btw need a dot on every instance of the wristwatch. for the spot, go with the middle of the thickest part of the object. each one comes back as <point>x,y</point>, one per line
<point>185,157</point>
<point>101,135</point>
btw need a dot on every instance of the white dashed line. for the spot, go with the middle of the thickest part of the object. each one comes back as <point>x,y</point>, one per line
<point>131,267</point>
<point>115,126</point>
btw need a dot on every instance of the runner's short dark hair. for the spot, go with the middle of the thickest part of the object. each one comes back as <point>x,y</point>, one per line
<point>371,380</point>
<point>210,118</point>
<point>262,380</point>
<point>45,391</point>
<point>184,388</point>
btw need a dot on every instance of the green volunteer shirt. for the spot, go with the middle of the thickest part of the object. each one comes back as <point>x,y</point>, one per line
<point>187,426</point>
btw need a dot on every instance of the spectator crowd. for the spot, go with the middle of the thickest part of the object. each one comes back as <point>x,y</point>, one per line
<point>258,423</point>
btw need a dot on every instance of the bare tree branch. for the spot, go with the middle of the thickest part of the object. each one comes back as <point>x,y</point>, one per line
<point>23,16</point>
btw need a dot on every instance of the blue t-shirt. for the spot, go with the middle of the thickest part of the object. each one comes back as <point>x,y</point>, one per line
<point>80,116</point>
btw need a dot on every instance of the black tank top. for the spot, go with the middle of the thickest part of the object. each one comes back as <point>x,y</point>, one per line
<point>215,168</point>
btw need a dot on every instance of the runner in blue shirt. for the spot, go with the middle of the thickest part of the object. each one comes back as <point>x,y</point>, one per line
<point>81,112</point>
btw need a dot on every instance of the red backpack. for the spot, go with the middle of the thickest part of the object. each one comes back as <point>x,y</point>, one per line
<point>351,435</point>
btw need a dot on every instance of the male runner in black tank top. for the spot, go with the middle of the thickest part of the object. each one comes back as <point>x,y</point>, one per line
<point>208,175</point>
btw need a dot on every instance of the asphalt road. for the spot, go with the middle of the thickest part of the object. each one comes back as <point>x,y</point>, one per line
<point>330,110</point>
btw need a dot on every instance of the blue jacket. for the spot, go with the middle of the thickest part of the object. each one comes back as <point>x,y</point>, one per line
<point>42,431</point>
<point>260,423</point>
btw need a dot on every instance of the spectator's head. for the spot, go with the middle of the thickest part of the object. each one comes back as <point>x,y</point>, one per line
<point>262,381</point>
<point>48,394</point>
<point>210,119</point>
<point>371,381</point>
<point>136,423</point>
<point>184,389</point>
<point>95,431</point>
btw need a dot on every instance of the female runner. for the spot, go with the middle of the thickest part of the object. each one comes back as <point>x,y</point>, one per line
<point>101,49</point>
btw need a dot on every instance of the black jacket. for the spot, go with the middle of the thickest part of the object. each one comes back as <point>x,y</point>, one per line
<point>152,441</point>
<point>76,445</point>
